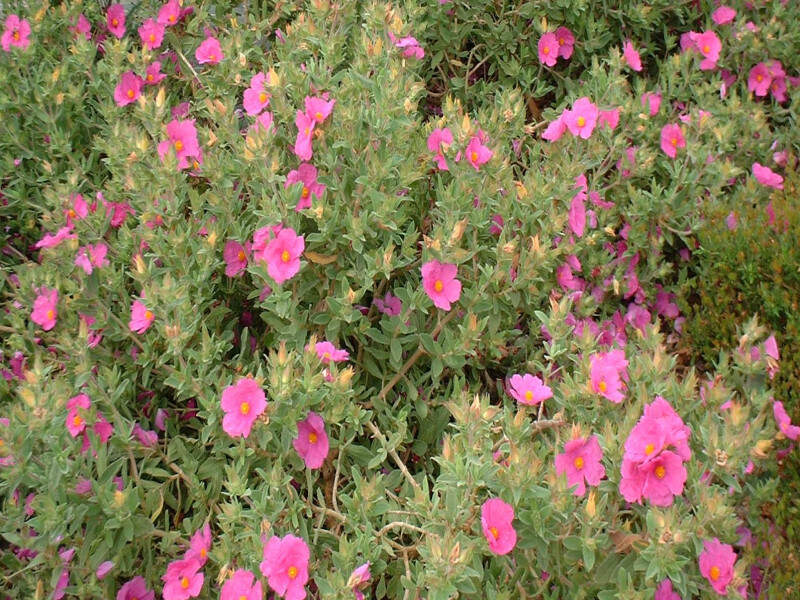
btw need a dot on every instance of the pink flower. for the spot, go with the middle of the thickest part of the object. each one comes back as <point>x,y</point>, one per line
<point>716,564</point>
<point>784,422</point>
<point>609,118</point>
<point>771,348</point>
<point>318,109</point>
<point>410,47</point>
<point>45,311</point>
<point>672,139</point>
<point>76,416</point>
<point>235,256</point>
<point>16,33</point>
<point>209,51</point>
<point>103,569</point>
<point>327,352</point>
<point>652,101</point>
<point>675,431</point>
<point>658,480</point>
<point>548,49</point>
<point>152,34</point>
<point>477,153</point>
<point>182,580</point>
<point>170,13</point>
<point>555,129</point>
<point>759,79</point>
<point>766,176</point>
<point>241,587</point>
<point>311,442</point>
<point>389,305</point>
<point>440,283</point>
<point>438,141</point>
<point>566,42</point>
<point>243,403</point>
<point>496,518</point>
<point>183,140</point>
<point>306,174</point>
<point>82,27</point>
<point>282,254</point>
<point>153,74</point>
<point>141,317</point>
<point>577,214</point>
<point>135,589</point>
<point>305,129</point>
<point>256,97</point>
<point>263,121</point>
<point>528,389</point>
<point>608,372</point>
<point>723,15</point>
<point>709,45</point>
<point>285,566</point>
<point>631,56</point>
<point>359,578</point>
<point>91,256</point>
<point>115,20</point>
<point>146,437</point>
<point>665,591</point>
<point>51,241</point>
<point>199,545</point>
<point>77,210</point>
<point>582,463</point>
<point>581,120</point>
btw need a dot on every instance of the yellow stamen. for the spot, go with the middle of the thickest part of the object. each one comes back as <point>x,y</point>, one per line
<point>152,38</point>
<point>285,256</point>
<point>306,130</point>
<point>312,438</point>
<point>76,421</point>
<point>305,193</point>
<point>178,145</point>
<point>203,552</point>
<point>438,285</point>
<point>713,572</point>
<point>327,355</point>
<point>528,395</point>
<point>649,449</point>
<point>212,57</point>
<point>578,462</point>
<point>245,408</point>
<point>494,532</point>
<point>602,386</point>
<point>241,256</point>
<point>148,315</point>
<point>318,116</point>
<point>114,22</point>
<point>184,582</point>
<point>130,93</point>
<point>660,471</point>
<point>674,141</point>
<point>292,572</point>
<point>759,77</point>
<point>581,121</point>
<point>16,36</point>
<point>149,77</point>
<point>172,18</point>
<point>706,49</point>
<point>50,314</point>
<point>262,97</point>
<point>473,157</point>
<point>72,213</point>
<point>546,50</point>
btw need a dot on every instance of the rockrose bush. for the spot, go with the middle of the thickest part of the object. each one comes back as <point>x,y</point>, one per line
<point>273,327</point>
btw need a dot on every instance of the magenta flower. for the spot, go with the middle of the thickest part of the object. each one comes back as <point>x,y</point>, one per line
<point>78,209</point>
<point>241,586</point>
<point>784,422</point>
<point>141,317</point>
<point>263,121</point>
<point>608,118</point>
<point>759,79</point>
<point>676,433</point>
<point>555,129</point>
<point>82,27</point>
<point>306,174</point>
<point>45,311</point>
<point>16,33</point>
<point>581,461</point>
<point>672,139</point>
<point>658,480</point>
<point>771,348</point>
<point>285,566</point>
<point>389,305</point>
<point>128,89</point>
<point>577,214</point>
<point>76,415</point>
<point>170,13</point>
<point>665,591</point>
<point>723,15</point>
<point>103,569</point>
<point>709,45</point>
<point>209,51</point>
<point>146,437</point>
<point>440,283</point>
<point>256,97</point>
<point>651,101</point>
<point>182,580</point>
<point>152,34</point>
<point>631,56</point>
<point>548,49</point>
<point>311,442</point>
<point>243,402</point>
<point>305,129</point>
<point>327,352</point>
<point>135,589</point>
<point>477,153</point>
<point>51,241</point>
<point>438,141</point>
<point>582,118</point>
<point>90,256</point>
<point>318,109</point>
<point>716,564</point>
<point>496,518</point>
<point>410,47</point>
<point>566,42</point>
<point>183,140</point>
<point>115,20</point>
<point>282,254</point>
<point>235,256</point>
<point>608,372</point>
<point>199,545</point>
<point>153,74</point>
<point>766,176</point>
<point>528,389</point>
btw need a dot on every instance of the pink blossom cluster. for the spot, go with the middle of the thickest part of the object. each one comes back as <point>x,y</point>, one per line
<point>581,120</point>
<point>555,45</point>
<point>476,153</point>
<point>768,77</point>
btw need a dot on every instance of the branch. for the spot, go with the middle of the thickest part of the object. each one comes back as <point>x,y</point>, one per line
<point>377,433</point>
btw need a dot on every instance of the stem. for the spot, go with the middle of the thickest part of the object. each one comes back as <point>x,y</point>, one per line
<point>401,465</point>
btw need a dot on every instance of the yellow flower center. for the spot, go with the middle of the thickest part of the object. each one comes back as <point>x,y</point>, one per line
<point>660,471</point>
<point>114,22</point>
<point>149,77</point>
<point>152,38</point>
<point>305,192</point>
<point>16,36</point>
<point>178,145</point>
<point>528,395</point>
<point>72,213</point>
<point>203,551</point>
<point>262,97</point>
<point>76,421</point>
<point>649,449</point>
<point>241,256</point>
<point>759,77</point>
<point>318,116</point>
<point>312,438</point>
<point>306,130</point>
<point>184,582</point>
<point>674,141</point>
<point>578,462</point>
<point>285,256</point>
<point>212,57</point>
<point>242,597</point>
<point>130,93</point>
<point>581,121</point>
<point>602,386</point>
<point>148,315</point>
<point>245,408</point>
<point>195,164</point>
<point>713,572</point>
<point>327,355</point>
<point>50,314</point>
<point>474,157</point>
<point>546,50</point>
<point>292,572</point>
<point>494,532</point>
<point>438,285</point>
<point>706,49</point>
<point>172,18</point>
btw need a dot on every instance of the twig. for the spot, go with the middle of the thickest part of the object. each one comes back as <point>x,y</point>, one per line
<point>548,424</point>
<point>377,433</point>
<point>403,525</point>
